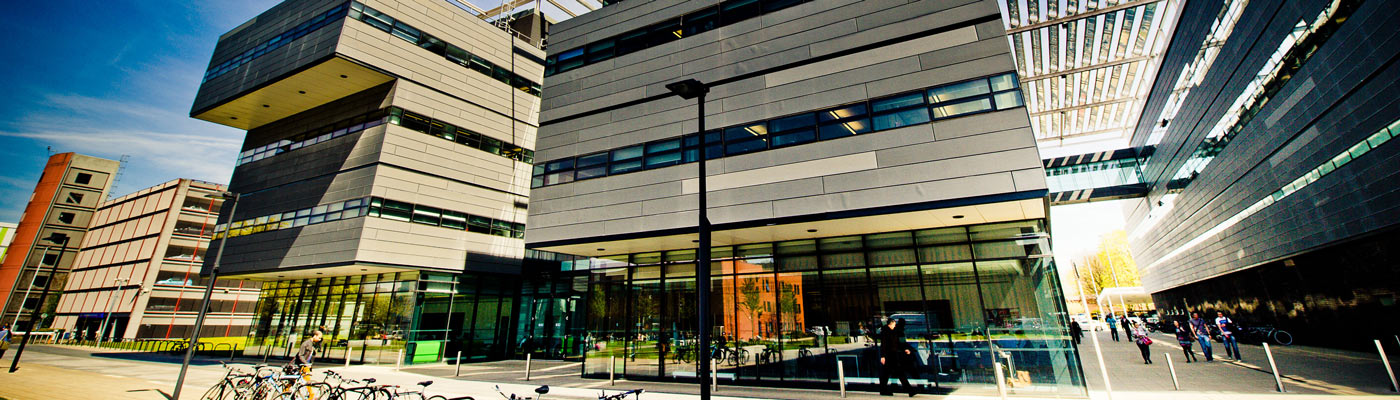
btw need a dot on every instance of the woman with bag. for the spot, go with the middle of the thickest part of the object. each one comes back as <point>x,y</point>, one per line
<point>1143,342</point>
<point>1183,337</point>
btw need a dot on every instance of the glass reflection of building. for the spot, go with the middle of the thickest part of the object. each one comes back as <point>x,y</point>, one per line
<point>786,312</point>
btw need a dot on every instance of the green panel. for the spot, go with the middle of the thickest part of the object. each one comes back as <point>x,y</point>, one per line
<point>425,351</point>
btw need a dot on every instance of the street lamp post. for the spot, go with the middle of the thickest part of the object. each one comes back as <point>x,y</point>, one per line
<point>102,332</point>
<point>694,89</point>
<point>62,241</point>
<point>232,199</point>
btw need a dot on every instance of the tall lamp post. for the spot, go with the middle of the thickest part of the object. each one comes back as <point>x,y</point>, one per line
<point>232,199</point>
<point>694,89</point>
<point>118,283</point>
<point>62,241</point>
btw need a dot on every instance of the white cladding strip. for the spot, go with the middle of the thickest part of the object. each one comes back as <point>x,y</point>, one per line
<point>782,173</point>
<point>895,51</point>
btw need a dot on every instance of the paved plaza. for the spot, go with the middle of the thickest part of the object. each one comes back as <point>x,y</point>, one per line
<point>63,372</point>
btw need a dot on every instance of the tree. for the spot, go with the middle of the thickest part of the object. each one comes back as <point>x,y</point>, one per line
<point>1112,260</point>
<point>751,301</point>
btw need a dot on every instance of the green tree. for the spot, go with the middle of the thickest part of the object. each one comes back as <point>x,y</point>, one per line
<point>1111,266</point>
<point>752,300</point>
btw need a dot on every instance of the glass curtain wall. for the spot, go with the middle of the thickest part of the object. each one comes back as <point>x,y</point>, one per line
<point>787,312</point>
<point>370,318</point>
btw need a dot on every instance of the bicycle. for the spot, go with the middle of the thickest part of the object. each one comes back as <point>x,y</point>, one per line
<point>233,385</point>
<point>621,396</point>
<point>369,391</point>
<point>769,355</point>
<point>539,393</point>
<point>1266,333</point>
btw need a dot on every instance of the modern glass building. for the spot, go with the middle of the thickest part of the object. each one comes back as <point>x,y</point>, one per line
<point>1272,183</point>
<point>864,161</point>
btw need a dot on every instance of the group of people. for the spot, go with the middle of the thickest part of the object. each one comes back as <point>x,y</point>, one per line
<point>1196,330</point>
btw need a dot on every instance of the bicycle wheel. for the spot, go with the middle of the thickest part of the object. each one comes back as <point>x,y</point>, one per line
<point>436,397</point>
<point>743,356</point>
<point>1282,337</point>
<point>221,391</point>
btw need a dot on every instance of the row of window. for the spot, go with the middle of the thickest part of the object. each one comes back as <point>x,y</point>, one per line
<point>330,131</point>
<point>1362,147</point>
<point>463,136</point>
<point>663,32</point>
<point>421,214</point>
<point>307,216</point>
<point>317,22</point>
<point>453,53</point>
<point>998,92</point>
<point>374,207</point>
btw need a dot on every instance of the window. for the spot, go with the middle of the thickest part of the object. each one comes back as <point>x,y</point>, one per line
<point>49,260</point>
<point>700,21</point>
<point>663,153</point>
<point>665,32</point>
<point>745,138</point>
<point>958,91</point>
<point>626,159</point>
<point>600,50</point>
<point>966,107</point>
<point>66,217</point>
<point>396,210</point>
<point>632,41</point>
<point>569,60</point>
<point>74,198</point>
<point>899,110</point>
<point>737,10</point>
<point>83,178</point>
<point>793,130</point>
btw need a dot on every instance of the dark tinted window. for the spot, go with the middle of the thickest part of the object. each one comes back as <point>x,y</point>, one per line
<point>632,41</point>
<point>600,51</point>
<point>700,21</point>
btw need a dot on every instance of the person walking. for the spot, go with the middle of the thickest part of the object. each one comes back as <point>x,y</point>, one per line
<point>1185,339</point>
<point>893,353</point>
<point>4,339</point>
<point>1144,343</point>
<point>1127,326</point>
<point>1227,336</point>
<point>1076,333</point>
<point>1112,326</point>
<point>306,354</point>
<point>1201,330</point>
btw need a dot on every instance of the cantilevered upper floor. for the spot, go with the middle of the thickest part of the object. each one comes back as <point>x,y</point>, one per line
<point>303,54</point>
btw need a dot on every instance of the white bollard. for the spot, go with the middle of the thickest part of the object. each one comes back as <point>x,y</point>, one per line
<point>399,364</point>
<point>348,351</point>
<point>841,376</point>
<point>714,375</point>
<point>1390,373</point>
<point>1277,381</point>
<point>1107,387</point>
<point>459,364</point>
<point>1172,367</point>
<point>612,371</point>
<point>527,367</point>
<point>1000,379</point>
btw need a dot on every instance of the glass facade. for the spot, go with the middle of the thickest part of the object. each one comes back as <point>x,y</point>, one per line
<point>788,311</point>
<point>430,317</point>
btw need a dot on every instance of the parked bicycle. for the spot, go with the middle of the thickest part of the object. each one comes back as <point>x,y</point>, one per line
<point>621,396</point>
<point>1262,333</point>
<point>234,384</point>
<point>539,393</point>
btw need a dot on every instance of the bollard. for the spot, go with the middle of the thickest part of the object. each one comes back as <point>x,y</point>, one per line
<point>231,352</point>
<point>1107,387</point>
<point>841,376</point>
<point>1390,373</point>
<point>714,376</point>
<point>1172,367</point>
<point>1001,380</point>
<point>527,367</point>
<point>348,351</point>
<point>459,364</point>
<point>1277,381</point>
<point>612,371</point>
<point>399,364</point>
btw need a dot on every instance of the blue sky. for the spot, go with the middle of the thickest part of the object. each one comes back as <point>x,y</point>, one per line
<point>113,78</point>
<point>107,78</point>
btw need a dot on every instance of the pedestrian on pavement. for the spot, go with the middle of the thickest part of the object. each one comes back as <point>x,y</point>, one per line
<point>1200,329</point>
<point>1127,326</point>
<point>1076,332</point>
<point>4,339</point>
<point>893,355</point>
<point>306,354</point>
<point>1227,335</point>
<point>1185,339</point>
<point>1112,326</point>
<point>1144,343</point>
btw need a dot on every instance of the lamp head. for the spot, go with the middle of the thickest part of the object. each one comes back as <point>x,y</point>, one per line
<point>225,195</point>
<point>688,89</point>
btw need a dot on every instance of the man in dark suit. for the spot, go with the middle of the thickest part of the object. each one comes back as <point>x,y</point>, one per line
<point>894,355</point>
